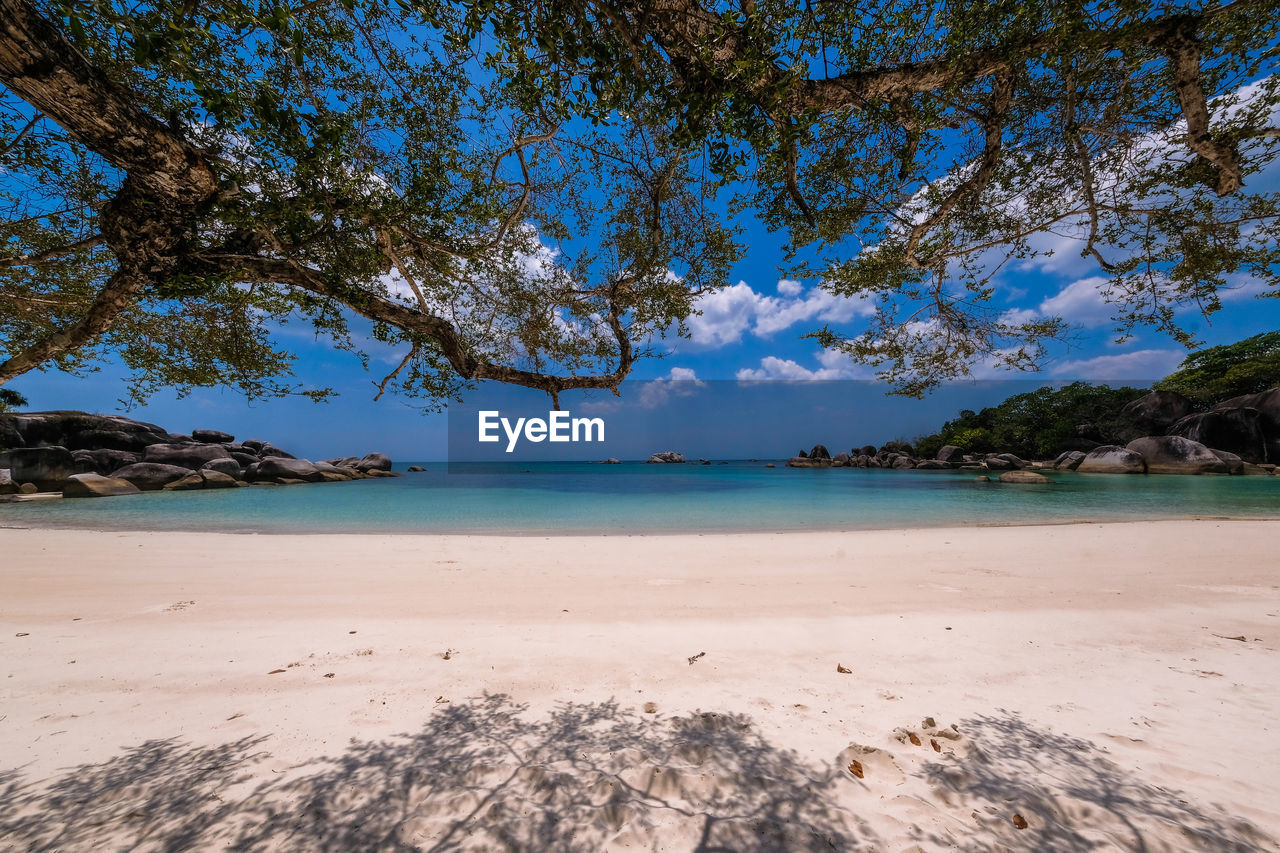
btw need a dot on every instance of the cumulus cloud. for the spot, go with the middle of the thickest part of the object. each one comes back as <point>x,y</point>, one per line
<point>650,394</point>
<point>684,374</point>
<point>835,365</point>
<point>728,314</point>
<point>1137,365</point>
<point>1080,303</point>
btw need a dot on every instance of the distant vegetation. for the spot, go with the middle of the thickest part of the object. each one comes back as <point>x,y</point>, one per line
<point>1036,425</point>
<point>10,399</point>
<point>1219,373</point>
<point>1042,423</point>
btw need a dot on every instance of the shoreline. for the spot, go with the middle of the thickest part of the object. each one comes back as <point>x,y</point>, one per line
<point>542,533</point>
<point>1111,686</point>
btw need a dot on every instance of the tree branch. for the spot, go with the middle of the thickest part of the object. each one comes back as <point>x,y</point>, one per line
<point>382,386</point>
<point>993,125</point>
<point>422,323</point>
<point>30,126</point>
<point>168,180</point>
<point>119,293</point>
<point>1183,50</point>
<point>36,258</point>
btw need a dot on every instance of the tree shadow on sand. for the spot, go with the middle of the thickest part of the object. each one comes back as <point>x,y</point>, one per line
<point>1072,797</point>
<point>487,775</point>
<point>479,775</point>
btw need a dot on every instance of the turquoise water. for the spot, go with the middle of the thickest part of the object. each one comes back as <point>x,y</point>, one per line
<point>637,498</point>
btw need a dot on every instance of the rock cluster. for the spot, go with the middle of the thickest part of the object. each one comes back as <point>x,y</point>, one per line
<point>1237,436</point>
<point>89,455</point>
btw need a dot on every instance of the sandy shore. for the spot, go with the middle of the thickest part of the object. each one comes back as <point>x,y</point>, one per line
<point>1112,686</point>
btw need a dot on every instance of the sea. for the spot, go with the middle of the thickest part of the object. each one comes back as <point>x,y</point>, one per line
<point>582,498</point>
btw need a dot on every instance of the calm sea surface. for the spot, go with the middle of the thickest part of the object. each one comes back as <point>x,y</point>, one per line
<point>540,498</point>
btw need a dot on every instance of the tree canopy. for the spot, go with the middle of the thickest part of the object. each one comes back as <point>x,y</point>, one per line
<point>10,399</point>
<point>1215,374</point>
<point>918,148</point>
<point>179,177</point>
<point>523,192</point>
<point>1038,424</point>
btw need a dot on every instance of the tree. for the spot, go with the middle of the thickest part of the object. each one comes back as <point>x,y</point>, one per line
<point>10,399</point>
<point>241,164</point>
<point>179,177</point>
<point>1038,424</point>
<point>913,149</point>
<point>1218,373</point>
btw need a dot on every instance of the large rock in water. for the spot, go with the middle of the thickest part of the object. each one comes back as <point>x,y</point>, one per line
<point>1173,454</point>
<point>1237,431</point>
<point>374,462</point>
<point>47,467</point>
<point>1235,465</point>
<point>1068,460</point>
<point>806,462</point>
<point>1154,413</point>
<point>212,436</point>
<point>1025,477</point>
<point>819,452</point>
<point>185,455</point>
<point>151,476</point>
<point>949,453</point>
<point>281,468</point>
<point>97,486</point>
<point>189,483</point>
<point>217,480</point>
<point>342,473</point>
<point>668,456</point>
<point>1112,459</point>
<point>230,467</point>
<point>78,431</point>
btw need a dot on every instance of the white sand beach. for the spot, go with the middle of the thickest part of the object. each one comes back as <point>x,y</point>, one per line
<point>1107,686</point>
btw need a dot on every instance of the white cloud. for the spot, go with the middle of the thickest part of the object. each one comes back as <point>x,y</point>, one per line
<point>726,314</point>
<point>1240,288</point>
<point>652,393</point>
<point>684,374</point>
<point>1139,364</point>
<point>1020,315</point>
<point>772,367</point>
<point>729,313</point>
<point>1081,303</point>
<point>835,365</point>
